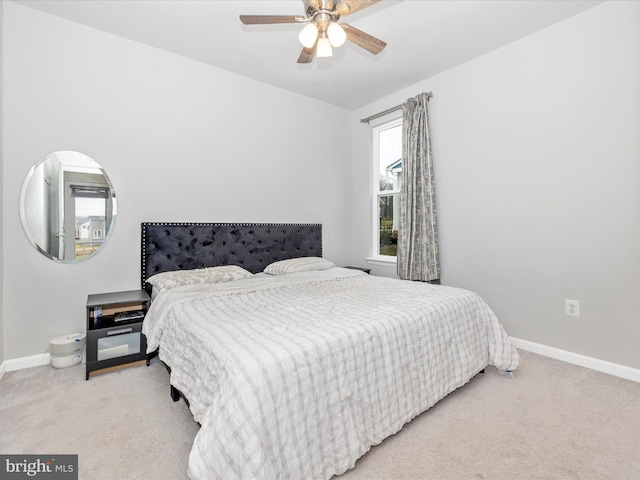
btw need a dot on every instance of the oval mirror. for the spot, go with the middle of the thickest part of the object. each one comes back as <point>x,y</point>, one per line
<point>67,206</point>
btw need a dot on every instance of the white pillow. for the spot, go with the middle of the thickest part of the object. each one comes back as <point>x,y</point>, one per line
<point>210,275</point>
<point>303,264</point>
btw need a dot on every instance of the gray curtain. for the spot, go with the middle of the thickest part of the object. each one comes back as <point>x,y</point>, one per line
<point>418,233</point>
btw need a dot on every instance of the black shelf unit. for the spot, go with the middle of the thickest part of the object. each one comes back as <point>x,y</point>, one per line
<point>112,340</point>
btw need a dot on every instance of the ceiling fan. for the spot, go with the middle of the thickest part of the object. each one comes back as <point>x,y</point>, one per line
<point>322,31</point>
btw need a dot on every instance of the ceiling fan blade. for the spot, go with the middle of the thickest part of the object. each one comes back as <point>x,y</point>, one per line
<point>364,40</point>
<point>307,54</point>
<point>269,19</point>
<point>349,6</point>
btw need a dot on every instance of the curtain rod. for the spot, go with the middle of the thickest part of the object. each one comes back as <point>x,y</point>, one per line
<point>388,110</point>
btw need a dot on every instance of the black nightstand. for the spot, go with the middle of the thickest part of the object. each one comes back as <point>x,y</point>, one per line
<point>365,270</point>
<point>114,329</point>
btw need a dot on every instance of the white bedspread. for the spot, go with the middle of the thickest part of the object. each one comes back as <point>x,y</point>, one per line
<point>296,377</point>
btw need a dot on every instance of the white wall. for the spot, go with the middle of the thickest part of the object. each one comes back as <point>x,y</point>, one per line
<point>180,141</point>
<point>1,197</point>
<point>536,152</point>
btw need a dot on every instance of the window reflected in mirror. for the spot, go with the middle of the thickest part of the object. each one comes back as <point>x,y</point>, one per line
<point>67,206</point>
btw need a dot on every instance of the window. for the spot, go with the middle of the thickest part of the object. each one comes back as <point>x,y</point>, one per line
<point>387,176</point>
<point>87,208</point>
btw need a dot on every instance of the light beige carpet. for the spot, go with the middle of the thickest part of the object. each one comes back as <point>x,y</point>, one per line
<point>552,421</point>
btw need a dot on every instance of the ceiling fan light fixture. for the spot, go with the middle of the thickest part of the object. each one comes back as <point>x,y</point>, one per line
<point>320,31</point>
<point>308,35</point>
<point>337,35</point>
<point>324,48</point>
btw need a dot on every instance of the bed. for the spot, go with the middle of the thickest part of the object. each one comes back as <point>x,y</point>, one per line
<point>295,367</point>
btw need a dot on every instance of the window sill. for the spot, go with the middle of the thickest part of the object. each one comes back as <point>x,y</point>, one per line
<point>385,261</point>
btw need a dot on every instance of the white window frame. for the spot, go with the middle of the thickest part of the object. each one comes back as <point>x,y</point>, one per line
<point>375,257</point>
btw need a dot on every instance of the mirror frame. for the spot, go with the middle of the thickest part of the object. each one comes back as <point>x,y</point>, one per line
<point>56,161</point>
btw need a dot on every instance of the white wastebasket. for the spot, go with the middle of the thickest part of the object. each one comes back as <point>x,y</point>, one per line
<point>67,350</point>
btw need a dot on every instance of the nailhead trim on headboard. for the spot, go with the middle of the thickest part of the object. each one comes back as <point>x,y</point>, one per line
<point>167,246</point>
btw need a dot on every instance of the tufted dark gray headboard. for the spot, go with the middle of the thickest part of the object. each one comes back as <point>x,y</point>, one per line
<point>185,246</point>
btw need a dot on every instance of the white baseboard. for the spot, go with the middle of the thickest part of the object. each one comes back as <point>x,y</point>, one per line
<point>25,362</point>
<point>3,369</point>
<point>582,360</point>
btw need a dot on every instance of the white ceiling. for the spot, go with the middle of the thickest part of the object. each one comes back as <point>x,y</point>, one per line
<point>424,37</point>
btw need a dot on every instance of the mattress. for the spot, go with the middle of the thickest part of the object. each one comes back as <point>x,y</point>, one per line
<point>297,376</point>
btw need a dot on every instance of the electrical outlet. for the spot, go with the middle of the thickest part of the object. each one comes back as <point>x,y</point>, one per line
<point>572,308</point>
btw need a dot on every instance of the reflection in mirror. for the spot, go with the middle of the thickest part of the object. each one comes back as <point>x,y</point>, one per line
<point>67,206</point>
